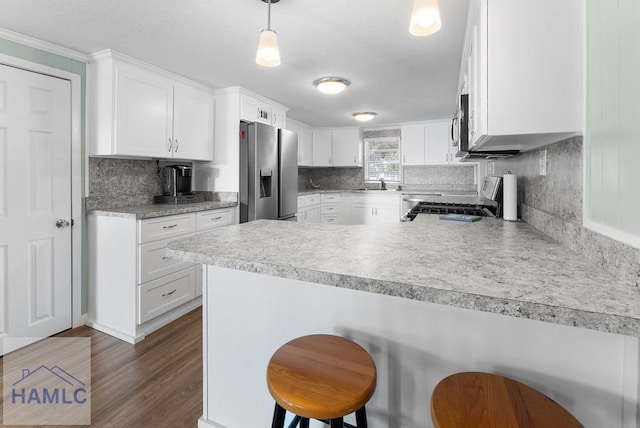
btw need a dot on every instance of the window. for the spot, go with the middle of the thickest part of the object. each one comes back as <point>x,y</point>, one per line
<point>382,159</point>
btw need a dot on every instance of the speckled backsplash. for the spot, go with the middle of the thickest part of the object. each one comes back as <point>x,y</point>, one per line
<point>438,177</point>
<point>553,205</point>
<point>117,183</point>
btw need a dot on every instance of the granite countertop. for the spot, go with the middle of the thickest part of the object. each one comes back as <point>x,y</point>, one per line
<point>391,191</point>
<point>491,265</point>
<point>141,212</point>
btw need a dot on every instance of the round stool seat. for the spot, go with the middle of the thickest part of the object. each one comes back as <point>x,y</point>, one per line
<point>321,376</point>
<point>483,400</point>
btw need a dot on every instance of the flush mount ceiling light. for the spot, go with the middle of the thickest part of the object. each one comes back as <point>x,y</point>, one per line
<point>268,52</point>
<point>425,18</point>
<point>331,85</point>
<point>364,116</point>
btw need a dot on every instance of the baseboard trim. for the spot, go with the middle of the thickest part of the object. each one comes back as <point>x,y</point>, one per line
<point>115,333</point>
<point>205,423</point>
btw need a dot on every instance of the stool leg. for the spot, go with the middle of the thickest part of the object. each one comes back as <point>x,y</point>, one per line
<point>337,423</point>
<point>295,421</point>
<point>304,423</point>
<point>361,418</point>
<point>278,417</point>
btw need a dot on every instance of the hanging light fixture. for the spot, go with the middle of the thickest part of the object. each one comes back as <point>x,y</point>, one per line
<point>364,116</point>
<point>331,85</point>
<point>425,18</point>
<point>268,54</point>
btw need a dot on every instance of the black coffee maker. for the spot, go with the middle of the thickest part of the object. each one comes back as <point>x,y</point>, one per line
<point>176,180</point>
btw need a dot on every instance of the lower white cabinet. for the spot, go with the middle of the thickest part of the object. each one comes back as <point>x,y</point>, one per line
<point>134,288</point>
<point>309,208</point>
<point>330,208</point>
<point>375,208</point>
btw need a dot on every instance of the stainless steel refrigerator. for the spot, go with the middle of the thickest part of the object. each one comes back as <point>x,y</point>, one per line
<point>268,172</point>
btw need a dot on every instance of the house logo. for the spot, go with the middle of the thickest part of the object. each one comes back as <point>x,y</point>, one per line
<point>48,383</point>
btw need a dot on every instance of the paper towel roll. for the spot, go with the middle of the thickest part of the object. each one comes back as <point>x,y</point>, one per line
<point>510,197</point>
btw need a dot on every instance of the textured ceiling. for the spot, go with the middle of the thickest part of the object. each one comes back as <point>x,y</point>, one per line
<point>403,78</point>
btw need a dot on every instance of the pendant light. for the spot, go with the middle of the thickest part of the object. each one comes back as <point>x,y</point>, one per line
<point>268,54</point>
<point>425,18</point>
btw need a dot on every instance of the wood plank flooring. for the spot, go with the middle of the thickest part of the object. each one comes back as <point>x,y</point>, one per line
<point>155,383</point>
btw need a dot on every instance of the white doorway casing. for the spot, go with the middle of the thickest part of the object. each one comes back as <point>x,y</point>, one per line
<point>76,174</point>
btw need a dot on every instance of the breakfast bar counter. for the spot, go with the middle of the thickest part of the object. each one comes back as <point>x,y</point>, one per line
<point>426,298</point>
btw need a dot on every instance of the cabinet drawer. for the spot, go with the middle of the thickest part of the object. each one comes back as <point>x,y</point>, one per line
<point>331,198</point>
<point>329,209</point>
<point>329,218</point>
<point>206,220</point>
<point>154,263</point>
<point>310,200</point>
<point>166,227</point>
<point>162,295</point>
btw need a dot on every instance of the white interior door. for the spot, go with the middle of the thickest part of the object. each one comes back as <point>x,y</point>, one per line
<point>35,204</point>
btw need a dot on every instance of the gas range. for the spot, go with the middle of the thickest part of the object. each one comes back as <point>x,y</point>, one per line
<point>489,203</point>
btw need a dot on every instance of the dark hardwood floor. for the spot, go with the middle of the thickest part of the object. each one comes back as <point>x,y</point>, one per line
<point>155,383</point>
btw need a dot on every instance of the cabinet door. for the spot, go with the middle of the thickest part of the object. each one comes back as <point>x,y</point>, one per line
<point>438,143</point>
<point>278,117</point>
<point>387,213</point>
<point>305,142</point>
<point>413,150</point>
<point>253,110</point>
<point>144,112</point>
<point>193,123</point>
<point>362,214</point>
<point>346,147</point>
<point>313,214</point>
<point>322,155</point>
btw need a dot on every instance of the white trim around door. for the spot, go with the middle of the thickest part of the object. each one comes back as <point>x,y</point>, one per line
<point>76,173</point>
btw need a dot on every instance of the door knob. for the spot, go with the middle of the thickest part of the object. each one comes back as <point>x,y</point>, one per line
<point>62,224</point>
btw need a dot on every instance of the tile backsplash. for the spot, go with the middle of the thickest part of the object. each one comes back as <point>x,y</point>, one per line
<point>437,177</point>
<point>122,182</point>
<point>552,203</point>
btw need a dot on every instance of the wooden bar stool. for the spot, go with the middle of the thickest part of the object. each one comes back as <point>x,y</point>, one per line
<point>483,400</point>
<point>322,377</point>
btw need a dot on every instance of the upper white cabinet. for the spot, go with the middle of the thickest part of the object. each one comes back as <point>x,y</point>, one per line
<point>255,109</point>
<point>322,155</point>
<point>305,142</point>
<point>413,145</point>
<point>347,147</point>
<point>524,63</point>
<point>428,143</point>
<point>137,110</point>
<point>337,147</point>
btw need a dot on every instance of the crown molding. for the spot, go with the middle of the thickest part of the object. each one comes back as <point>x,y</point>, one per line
<point>42,45</point>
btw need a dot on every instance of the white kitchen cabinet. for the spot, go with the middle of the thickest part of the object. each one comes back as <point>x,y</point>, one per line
<point>413,146</point>
<point>232,105</point>
<point>257,109</point>
<point>322,155</point>
<point>346,146</point>
<point>525,80</point>
<point>337,147</point>
<point>428,143</point>
<point>305,142</point>
<point>439,149</point>
<point>375,208</point>
<point>309,208</point>
<point>134,288</point>
<point>137,110</point>
<point>330,208</point>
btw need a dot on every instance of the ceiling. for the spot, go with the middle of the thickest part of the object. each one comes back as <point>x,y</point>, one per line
<point>402,77</point>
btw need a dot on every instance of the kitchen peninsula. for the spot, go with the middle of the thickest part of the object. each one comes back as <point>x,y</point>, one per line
<point>426,299</point>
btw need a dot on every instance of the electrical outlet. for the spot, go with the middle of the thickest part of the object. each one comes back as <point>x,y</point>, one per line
<point>542,170</point>
<point>491,168</point>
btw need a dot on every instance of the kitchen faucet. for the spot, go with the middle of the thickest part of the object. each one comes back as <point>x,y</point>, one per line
<point>383,185</point>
